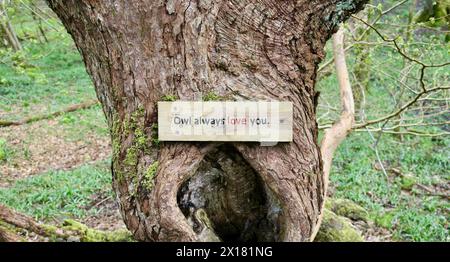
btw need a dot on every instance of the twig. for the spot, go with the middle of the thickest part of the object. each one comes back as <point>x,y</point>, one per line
<point>375,149</point>
<point>102,201</point>
<point>37,14</point>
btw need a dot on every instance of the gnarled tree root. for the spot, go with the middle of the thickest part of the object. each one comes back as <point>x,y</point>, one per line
<point>14,226</point>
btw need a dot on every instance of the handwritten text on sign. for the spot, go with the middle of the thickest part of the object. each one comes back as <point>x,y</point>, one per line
<point>225,121</point>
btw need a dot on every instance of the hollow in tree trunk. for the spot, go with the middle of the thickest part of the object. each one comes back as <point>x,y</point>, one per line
<point>141,51</point>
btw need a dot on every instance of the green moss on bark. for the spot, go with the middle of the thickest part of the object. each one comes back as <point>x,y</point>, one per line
<point>9,230</point>
<point>149,176</point>
<point>169,98</point>
<point>155,138</point>
<point>211,96</point>
<point>132,128</point>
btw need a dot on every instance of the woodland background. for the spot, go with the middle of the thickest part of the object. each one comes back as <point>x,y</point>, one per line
<point>55,147</point>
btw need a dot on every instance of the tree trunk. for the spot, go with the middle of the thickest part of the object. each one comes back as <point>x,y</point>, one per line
<point>37,19</point>
<point>8,30</point>
<point>140,51</point>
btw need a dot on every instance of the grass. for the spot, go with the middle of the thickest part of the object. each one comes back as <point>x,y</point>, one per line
<point>45,78</point>
<point>76,124</point>
<point>42,78</point>
<point>5,152</point>
<point>408,214</point>
<point>59,194</point>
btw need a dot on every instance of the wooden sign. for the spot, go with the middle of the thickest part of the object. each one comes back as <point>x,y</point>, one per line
<point>225,121</point>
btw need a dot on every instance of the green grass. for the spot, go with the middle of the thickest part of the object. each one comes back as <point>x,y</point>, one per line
<point>79,123</point>
<point>59,194</point>
<point>50,83</point>
<point>5,152</point>
<point>410,215</point>
<point>42,78</point>
<point>47,77</point>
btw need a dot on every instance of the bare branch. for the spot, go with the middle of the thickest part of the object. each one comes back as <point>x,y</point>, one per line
<point>402,109</point>
<point>339,131</point>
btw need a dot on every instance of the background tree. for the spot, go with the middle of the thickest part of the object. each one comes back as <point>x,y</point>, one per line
<point>7,32</point>
<point>139,52</point>
<point>435,14</point>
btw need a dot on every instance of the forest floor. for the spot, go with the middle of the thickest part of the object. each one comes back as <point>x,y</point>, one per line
<point>59,168</point>
<point>67,177</point>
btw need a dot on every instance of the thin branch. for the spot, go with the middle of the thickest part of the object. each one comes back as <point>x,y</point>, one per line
<point>37,14</point>
<point>375,149</point>
<point>400,51</point>
<point>408,132</point>
<point>402,109</point>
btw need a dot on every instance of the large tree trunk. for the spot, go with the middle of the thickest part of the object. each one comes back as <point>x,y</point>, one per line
<point>139,51</point>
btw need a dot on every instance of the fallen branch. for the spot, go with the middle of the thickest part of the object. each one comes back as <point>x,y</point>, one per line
<point>85,105</point>
<point>428,191</point>
<point>431,192</point>
<point>18,220</point>
<point>6,235</point>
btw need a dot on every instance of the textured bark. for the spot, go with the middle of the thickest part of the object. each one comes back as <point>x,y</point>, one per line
<point>138,51</point>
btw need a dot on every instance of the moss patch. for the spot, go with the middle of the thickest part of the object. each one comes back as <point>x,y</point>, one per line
<point>155,138</point>
<point>87,234</point>
<point>211,96</point>
<point>407,182</point>
<point>385,220</point>
<point>148,181</point>
<point>169,98</point>
<point>8,229</point>
<point>347,208</point>
<point>134,128</point>
<point>131,157</point>
<point>335,228</point>
<point>342,10</point>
